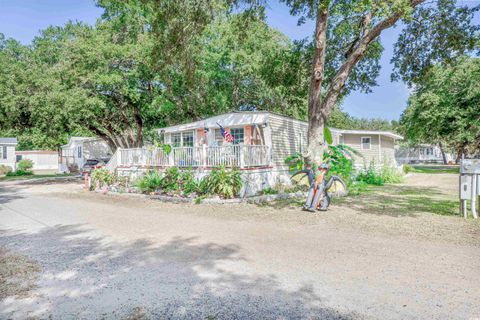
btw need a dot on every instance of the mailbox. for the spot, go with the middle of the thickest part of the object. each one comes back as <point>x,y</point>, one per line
<point>466,187</point>
<point>469,185</point>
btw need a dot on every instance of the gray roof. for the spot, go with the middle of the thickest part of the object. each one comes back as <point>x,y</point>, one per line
<point>8,140</point>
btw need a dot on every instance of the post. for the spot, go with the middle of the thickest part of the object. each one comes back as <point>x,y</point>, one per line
<point>242,156</point>
<point>87,181</point>
<point>474,196</point>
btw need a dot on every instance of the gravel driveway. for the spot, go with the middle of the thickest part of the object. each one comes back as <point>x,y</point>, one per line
<point>106,257</point>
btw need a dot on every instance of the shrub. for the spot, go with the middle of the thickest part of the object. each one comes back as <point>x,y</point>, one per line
<point>408,168</point>
<point>225,183</point>
<point>25,164</point>
<point>370,175</point>
<point>170,181</point>
<point>19,173</point>
<point>149,182</point>
<point>390,174</point>
<point>102,177</point>
<point>187,182</point>
<point>4,169</point>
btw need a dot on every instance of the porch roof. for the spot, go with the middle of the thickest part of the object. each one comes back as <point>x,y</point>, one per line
<point>12,141</point>
<point>230,119</point>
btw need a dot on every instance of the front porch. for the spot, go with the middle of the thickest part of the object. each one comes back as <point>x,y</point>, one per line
<point>241,156</point>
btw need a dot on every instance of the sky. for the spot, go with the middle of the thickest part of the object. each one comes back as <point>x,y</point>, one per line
<point>23,19</point>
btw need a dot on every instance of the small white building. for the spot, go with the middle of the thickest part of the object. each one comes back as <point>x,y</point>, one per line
<point>422,153</point>
<point>7,152</point>
<point>80,149</point>
<point>44,161</point>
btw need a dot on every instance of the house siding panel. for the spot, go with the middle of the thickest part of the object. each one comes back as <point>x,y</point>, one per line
<point>354,141</point>
<point>288,136</point>
<point>11,158</point>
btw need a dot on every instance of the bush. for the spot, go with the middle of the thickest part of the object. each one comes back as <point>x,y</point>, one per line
<point>102,177</point>
<point>149,182</point>
<point>19,173</point>
<point>4,169</point>
<point>408,168</point>
<point>390,174</point>
<point>170,181</point>
<point>25,164</point>
<point>187,182</point>
<point>225,183</point>
<point>370,175</point>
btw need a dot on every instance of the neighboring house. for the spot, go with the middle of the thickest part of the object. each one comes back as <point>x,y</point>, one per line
<point>7,152</point>
<point>80,149</point>
<point>261,142</point>
<point>43,161</point>
<point>372,145</point>
<point>422,153</point>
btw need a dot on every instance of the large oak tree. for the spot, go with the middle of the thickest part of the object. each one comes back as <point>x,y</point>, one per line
<point>347,33</point>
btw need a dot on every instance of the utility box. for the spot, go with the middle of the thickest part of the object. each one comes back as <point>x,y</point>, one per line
<point>470,166</point>
<point>465,187</point>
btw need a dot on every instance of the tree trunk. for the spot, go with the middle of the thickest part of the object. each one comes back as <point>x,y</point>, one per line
<point>444,157</point>
<point>316,118</point>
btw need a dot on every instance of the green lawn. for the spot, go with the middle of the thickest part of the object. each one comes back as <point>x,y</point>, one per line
<point>35,176</point>
<point>435,169</point>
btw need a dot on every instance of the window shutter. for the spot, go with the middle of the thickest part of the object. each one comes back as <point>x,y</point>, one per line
<point>4,152</point>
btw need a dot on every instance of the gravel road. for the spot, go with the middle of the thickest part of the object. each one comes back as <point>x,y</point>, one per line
<point>107,257</point>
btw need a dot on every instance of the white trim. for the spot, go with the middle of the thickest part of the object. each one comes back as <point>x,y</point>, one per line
<point>368,132</point>
<point>380,148</point>
<point>369,144</point>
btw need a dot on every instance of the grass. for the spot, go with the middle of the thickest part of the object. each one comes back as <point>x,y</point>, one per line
<point>18,274</point>
<point>402,200</point>
<point>35,176</point>
<point>436,169</point>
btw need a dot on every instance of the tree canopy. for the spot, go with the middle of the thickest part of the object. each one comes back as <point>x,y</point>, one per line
<point>445,107</point>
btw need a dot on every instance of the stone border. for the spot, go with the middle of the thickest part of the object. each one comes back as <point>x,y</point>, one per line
<point>214,200</point>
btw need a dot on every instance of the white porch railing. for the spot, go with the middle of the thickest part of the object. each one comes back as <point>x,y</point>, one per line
<point>242,156</point>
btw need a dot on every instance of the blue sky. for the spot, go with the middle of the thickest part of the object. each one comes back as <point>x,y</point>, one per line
<point>23,19</point>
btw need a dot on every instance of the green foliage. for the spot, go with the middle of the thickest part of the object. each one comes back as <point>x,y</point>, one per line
<point>19,173</point>
<point>167,148</point>
<point>295,162</point>
<point>5,169</point>
<point>225,183</point>
<point>25,164</point>
<point>408,168</point>
<point>444,107</point>
<point>327,134</point>
<point>170,181</point>
<point>101,177</point>
<point>370,175</point>
<point>390,174</point>
<point>187,182</point>
<point>341,161</point>
<point>150,181</point>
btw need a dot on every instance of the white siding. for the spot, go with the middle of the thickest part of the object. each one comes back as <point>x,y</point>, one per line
<point>288,136</point>
<point>10,159</point>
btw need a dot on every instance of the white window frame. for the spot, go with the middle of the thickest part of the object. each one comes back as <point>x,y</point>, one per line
<point>369,143</point>
<point>181,133</point>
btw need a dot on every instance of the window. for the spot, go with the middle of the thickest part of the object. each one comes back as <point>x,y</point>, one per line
<point>79,151</point>
<point>176,139</point>
<point>238,135</point>
<point>3,152</point>
<point>429,151</point>
<point>19,157</point>
<point>182,139</point>
<point>366,143</point>
<point>187,139</point>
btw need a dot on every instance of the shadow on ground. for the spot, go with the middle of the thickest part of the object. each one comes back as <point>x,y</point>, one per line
<point>85,276</point>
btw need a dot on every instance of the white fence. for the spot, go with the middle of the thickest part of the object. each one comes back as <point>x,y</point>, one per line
<point>242,156</point>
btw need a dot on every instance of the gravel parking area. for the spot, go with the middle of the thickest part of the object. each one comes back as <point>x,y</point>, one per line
<point>110,257</point>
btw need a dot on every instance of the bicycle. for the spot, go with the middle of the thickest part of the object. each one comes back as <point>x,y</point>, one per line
<point>318,195</point>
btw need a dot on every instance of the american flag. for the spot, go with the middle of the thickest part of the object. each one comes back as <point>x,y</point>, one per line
<point>225,134</point>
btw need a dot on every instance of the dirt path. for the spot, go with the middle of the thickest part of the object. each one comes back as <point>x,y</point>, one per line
<point>110,257</point>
